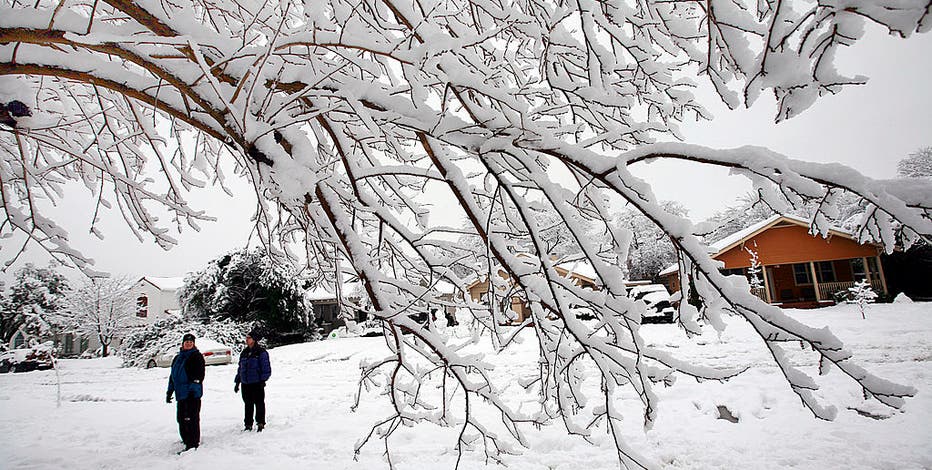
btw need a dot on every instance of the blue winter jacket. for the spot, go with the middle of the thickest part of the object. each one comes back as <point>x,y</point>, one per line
<point>186,375</point>
<point>254,366</point>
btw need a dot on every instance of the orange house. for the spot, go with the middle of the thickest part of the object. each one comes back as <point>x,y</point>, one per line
<point>797,269</point>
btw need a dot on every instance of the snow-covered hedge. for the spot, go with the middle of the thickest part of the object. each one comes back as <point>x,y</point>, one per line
<point>249,286</point>
<point>165,335</point>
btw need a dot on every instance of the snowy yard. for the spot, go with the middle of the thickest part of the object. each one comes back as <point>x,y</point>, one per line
<point>116,418</point>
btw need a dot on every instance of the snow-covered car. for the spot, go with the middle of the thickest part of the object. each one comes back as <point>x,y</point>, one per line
<point>214,354</point>
<point>25,360</point>
<point>657,298</point>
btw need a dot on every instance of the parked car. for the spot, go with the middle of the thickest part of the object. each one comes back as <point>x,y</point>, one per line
<point>214,354</point>
<point>657,298</point>
<point>25,360</point>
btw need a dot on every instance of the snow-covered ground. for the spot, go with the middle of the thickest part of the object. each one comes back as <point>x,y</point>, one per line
<point>112,417</point>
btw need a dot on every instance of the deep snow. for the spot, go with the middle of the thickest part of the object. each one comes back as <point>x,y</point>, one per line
<point>116,418</point>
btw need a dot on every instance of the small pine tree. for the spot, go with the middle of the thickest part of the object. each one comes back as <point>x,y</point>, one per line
<point>754,270</point>
<point>862,294</point>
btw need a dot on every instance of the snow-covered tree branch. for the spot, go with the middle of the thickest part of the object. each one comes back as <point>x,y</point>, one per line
<point>345,114</point>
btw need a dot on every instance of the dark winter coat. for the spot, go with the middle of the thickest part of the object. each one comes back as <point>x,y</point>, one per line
<point>254,366</point>
<point>187,375</point>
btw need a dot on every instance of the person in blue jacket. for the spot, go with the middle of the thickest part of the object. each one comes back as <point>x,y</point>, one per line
<point>254,369</point>
<point>186,382</point>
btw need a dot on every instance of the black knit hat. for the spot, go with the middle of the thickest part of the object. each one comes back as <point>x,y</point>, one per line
<point>187,337</point>
<point>255,335</point>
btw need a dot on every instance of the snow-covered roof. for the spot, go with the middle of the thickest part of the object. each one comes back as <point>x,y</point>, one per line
<point>668,270</point>
<point>320,293</point>
<point>445,287</point>
<point>725,244</point>
<point>164,283</point>
<point>581,267</point>
<point>326,292</point>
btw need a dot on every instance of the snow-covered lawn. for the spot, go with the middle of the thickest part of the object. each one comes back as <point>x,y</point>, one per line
<point>116,418</point>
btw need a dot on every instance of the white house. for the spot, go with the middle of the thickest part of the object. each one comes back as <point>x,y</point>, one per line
<point>156,297</point>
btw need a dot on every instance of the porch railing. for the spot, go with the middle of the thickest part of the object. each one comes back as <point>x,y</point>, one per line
<point>828,289</point>
<point>760,292</point>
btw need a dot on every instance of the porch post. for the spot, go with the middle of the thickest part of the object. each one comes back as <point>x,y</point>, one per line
<point>815,281</point>
<point>867,269</point>
<point>883,279</point>
<point>766,286</point>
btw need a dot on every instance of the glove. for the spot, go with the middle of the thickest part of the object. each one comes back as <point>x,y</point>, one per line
<point>236,388</point>
<point>168,398</point>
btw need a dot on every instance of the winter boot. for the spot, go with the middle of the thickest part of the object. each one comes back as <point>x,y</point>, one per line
<point>260,427</point>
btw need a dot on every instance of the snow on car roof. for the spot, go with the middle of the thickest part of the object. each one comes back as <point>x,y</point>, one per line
<point>207,344</point>
<point>581,267</point>
<point>327,292</point>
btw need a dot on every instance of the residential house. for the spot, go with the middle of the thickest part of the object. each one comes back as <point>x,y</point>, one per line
<point>797,268</point>
<point>580,272</point>
<point>156,298</point>
<point>74,345</point>
<point>326,307</point>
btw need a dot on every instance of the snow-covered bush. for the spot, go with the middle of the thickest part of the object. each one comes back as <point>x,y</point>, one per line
<point>248,286</point>
<point>35,297</point>
<point>165,335</point>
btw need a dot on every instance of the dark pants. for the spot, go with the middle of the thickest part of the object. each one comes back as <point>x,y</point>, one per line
<point>189,421</point>
<point>254,397</point>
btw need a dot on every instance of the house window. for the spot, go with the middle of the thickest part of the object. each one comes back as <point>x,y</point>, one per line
<point>142,306</point>
<point>826,270</point>
<point>326,313</point>
<point>19,340</point>
<point>801,274</point>
<point>857,269</point>
<point>69,344</point>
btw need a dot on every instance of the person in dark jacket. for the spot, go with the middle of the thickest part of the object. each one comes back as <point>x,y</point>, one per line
<point>254,369</point>
<point>186,382</point>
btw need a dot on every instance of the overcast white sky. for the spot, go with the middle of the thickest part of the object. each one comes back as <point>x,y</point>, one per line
<point>869,127</point>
